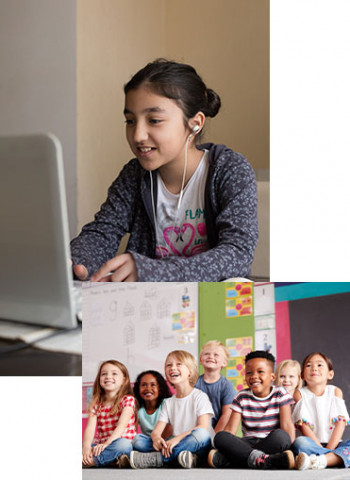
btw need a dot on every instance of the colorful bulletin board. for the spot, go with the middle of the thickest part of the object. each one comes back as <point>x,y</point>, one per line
<point>226,313</point>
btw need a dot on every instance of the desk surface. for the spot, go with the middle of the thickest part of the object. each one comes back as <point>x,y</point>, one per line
<point>36,362</point>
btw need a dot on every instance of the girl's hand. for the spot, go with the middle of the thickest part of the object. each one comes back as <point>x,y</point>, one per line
<point>97,449</point>
<point>87,456</point>
<point>121,268</point>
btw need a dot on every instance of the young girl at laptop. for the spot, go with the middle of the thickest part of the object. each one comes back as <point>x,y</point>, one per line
<point>191,211</point>
<point>111,424</point>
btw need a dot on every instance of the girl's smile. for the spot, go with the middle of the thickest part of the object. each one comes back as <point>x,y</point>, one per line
<point>288,378</point>
<point>149,388</point>
<point>157,134</point>
<point>316,371</point>
<point>111,378</point>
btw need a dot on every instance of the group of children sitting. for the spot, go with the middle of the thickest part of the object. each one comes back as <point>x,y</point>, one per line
<point>284,424</point>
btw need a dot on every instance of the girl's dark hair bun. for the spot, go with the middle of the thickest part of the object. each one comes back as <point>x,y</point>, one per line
<point>213,103</point>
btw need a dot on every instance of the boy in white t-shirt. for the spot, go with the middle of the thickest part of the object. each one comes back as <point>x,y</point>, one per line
<point>220,390</point>
<point>188,411</point>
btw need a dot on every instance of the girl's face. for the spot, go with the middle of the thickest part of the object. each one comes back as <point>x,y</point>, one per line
<point>111,378</point>
<point>155,129</point>
<point>316,371</point>
<point>149,388</point>
<point>288,378</point>
<point>176,372</point>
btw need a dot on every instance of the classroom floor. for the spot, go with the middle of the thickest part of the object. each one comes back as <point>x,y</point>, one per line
<point>37,362</point>
<point>213,474</point>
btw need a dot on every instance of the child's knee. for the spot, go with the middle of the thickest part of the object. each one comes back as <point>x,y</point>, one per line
<point>201,435</point>
<point>221,438</point>
<point>141,442</point>
<point>282,437</point>
<point>122,446</point>
<point>301,443</point>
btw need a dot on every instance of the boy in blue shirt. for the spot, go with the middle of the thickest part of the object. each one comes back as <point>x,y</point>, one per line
<point>213,358</point>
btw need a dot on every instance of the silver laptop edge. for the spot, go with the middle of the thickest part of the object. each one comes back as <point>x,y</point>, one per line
<point>35,275</point>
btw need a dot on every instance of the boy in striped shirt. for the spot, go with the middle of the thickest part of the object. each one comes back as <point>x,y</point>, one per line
<point>265,413</point>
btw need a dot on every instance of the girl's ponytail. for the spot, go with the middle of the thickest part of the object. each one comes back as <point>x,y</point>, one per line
<point>213,103</point>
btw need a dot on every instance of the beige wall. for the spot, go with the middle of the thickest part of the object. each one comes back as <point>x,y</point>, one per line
<point>226,40</point>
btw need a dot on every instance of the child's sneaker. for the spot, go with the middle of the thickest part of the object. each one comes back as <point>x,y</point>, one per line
<point>123,461</point>
<point>277,461</point>
<point>217,459</point>
<point>314,462</point>
<point>281,461</point>
<point>145,460</point>
<point>187,459</point>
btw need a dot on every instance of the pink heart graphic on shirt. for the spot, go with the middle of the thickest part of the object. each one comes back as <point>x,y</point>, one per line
<point>178,233</point>
<point>202,247</point>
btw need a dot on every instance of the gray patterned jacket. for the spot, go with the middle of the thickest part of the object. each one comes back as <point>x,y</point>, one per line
<point>230,214</point>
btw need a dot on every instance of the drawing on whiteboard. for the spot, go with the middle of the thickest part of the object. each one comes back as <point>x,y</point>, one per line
<point>140,334</point>
<point>163,308</point>
<point>96,313</point>
<point>150,292</point>
<point>154,337</point>
<point>113,308</point>
<point>145,311</point>
<point>129,333</point>
<point>129,310</point>
<point>130,357</point>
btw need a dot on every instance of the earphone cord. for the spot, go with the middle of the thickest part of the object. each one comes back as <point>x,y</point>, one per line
<point>184,175</point>
<point>180,195</point>
<point>154,212</point>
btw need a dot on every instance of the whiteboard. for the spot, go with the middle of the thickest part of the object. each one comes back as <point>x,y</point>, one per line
<point>137,324</point>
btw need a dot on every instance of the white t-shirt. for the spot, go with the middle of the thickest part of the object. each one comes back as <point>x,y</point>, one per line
<point>183,232</point>
<point>320,412</point>
<point>182,413</point>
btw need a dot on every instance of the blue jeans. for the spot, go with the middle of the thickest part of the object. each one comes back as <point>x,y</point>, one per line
<point>198,441</point>
<point>308,446</point>
<point>118,447</point>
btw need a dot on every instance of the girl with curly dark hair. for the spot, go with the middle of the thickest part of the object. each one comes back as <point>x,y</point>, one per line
<point>150,390</point>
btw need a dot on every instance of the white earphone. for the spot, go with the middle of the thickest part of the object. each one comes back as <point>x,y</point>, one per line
<point>195,129</point>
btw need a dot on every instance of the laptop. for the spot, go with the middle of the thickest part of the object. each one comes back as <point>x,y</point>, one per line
<point>36,283</point>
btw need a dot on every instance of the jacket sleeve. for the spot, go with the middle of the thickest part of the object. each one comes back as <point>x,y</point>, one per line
<point>99,240</point>
<point>235,210</point>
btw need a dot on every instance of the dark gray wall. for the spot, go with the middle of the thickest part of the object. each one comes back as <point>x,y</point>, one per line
<point>38,66</point>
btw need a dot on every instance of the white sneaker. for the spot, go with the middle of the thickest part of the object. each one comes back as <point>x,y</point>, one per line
<point>313,462</point>
<point>187,459</point>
